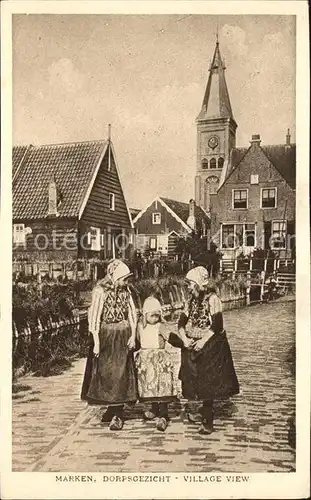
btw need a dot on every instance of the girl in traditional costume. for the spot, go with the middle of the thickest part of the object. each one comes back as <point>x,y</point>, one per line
<point>155,371</point>
<point>110,374</point>
<point>207,371</point>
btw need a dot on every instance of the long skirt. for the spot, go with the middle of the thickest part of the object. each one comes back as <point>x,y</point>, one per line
<point>110,378</point>
<point>209,373</point>
<point>155,374</point>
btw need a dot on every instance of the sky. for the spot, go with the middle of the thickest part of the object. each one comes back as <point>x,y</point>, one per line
<point>146,75</point>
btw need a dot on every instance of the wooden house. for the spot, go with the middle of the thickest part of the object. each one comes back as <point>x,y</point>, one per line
<point>68,202</point>
<point>162,222</point>
<point>254,206</point>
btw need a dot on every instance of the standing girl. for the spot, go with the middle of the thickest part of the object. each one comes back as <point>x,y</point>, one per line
<point>110,375</point>
<point>207,370</point>
<point>155,372</point>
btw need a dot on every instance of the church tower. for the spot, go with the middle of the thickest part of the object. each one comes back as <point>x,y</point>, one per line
<point>216,129</point>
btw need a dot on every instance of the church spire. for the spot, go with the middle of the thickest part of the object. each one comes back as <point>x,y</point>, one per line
<point>216,101</point>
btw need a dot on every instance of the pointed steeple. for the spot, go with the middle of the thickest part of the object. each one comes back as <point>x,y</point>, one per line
<point>216,102</point>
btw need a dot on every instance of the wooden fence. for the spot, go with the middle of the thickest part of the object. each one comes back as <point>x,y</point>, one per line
<point>94,269</point>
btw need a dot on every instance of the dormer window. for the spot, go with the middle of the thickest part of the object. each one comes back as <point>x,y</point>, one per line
<point>156,218</point>
<point>212,163</point>
<point>221,162</point>
<point>19,234</point>
<point>111,201</point>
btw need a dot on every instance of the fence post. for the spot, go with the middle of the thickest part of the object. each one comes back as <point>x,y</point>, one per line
<point>274,265</point>
<point>262,287</point>
<point>220,265</point>
<point>39,279</point>
<point>95,272</point>
<point>265,265</point>
<point>51,270</point>
<point>235,264</point>
<point>251,264</point>
<point>248,288</point>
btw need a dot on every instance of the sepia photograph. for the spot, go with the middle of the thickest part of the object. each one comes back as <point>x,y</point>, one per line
<point>154,228</point>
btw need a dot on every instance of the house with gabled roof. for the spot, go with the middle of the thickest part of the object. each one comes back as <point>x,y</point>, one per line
<point>249,192</point>
<point>159,225</point>
<point>254,206</point>
<point>68,202</point>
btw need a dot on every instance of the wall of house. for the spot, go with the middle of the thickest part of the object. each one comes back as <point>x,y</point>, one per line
<point>168,223</point>
<point>50,239</point>
<point>113,224</point>
<point>255,162</point>
<point>97,211</point>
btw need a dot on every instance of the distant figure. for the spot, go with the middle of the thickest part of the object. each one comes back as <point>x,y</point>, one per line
<point>271,283</point>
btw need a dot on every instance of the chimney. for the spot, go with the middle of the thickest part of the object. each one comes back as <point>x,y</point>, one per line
<point>255,139</point>
<point>191,218</point>
<point>52,194</point>
<point>288,138</point>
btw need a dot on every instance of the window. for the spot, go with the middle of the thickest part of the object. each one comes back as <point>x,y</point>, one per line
<point>153,243</point>
<point>249,235</point>
<point>278,235</point>
<point>212,163</point>
<point>268,198</point>
<point>204,164</point>
<point>254,179</point>
<point>19,235</point>
<point>221,162</point>
<point>237,235</point>
<point>228,236</point>
<point>239,198</point>
<point>111,201</point>
<point>156,218</point>
<point>95,239</point>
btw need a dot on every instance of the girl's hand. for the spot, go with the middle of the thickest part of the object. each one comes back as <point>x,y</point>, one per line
<point>199,344</point>
<point>131,343</point>
<point>188,343</point>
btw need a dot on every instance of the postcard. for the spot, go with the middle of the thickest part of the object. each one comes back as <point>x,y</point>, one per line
<point>155,289</point>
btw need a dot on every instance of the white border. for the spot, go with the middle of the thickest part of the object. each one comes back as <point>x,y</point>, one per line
<point>42,485</point>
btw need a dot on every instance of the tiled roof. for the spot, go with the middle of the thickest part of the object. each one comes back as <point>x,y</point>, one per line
<point>71,165</point>
<point>181,209</point>
<point>17,156</point>
<point>284,159</point>
<point>281,156</point>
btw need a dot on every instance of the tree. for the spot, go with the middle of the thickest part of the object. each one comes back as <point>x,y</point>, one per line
<point>194,248</point>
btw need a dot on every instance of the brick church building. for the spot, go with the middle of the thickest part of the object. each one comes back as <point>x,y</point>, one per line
<point>249,193</point>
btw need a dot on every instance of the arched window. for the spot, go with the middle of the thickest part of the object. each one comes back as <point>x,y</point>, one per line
<point>212,163</point>
<point>204,163</point>
<point>220,162</point>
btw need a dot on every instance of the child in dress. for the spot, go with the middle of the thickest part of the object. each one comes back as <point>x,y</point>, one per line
<point>155,372</point>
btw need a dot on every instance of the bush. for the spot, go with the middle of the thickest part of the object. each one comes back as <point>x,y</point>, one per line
<point>43,344</point>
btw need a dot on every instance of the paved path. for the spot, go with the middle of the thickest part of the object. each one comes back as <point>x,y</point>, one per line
<point>54,431</point>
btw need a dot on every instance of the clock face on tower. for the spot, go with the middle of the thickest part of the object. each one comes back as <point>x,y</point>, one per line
<point>213,141</point>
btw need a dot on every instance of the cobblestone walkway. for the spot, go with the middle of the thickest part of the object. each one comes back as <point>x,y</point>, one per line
<point>54,431</point>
